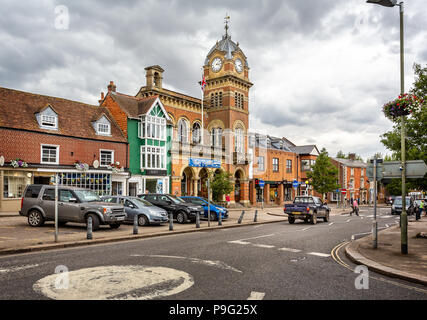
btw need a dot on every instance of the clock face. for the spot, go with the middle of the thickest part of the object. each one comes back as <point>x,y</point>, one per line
<point>216,64</point>
<point>239,65</point>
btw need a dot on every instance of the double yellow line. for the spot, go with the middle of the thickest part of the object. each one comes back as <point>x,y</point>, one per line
<point>337,258</point>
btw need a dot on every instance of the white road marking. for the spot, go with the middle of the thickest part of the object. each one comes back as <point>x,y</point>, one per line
<point>117,283</point>
<point>387,225</point>
<point>319,254</point>
<point>211,263</point>
<point>14,269</point>
<point>348,220</point>
<point>304,229</point>
<point>263,246</point>
<point>385,217</point>
<point>239,242</point>
<point>290,249</point>
<point>256,295</point>
<point>331,224</point>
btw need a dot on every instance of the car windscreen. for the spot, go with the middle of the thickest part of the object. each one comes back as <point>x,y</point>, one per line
<point>176,199</point>
<point>87,195</point>
<point>142,203</point>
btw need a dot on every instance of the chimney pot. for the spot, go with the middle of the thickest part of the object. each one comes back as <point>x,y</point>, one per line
<point>112,87</point>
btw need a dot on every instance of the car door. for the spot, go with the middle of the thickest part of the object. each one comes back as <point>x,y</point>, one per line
<point>131,209</point>
<point>320,207</point>
<point>68,207</point>
<point>47,203</point>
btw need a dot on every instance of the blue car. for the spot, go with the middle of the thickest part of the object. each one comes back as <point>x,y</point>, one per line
<point>214,208</point>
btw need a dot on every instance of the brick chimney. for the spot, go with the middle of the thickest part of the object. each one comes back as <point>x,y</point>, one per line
<point>111,87</point>
<point>102,98</point>
<point>352,156</point>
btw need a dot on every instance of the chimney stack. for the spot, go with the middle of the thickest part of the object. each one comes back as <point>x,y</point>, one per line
<point>102,98</point>
<point>352,156</point>
<point>111,87</point>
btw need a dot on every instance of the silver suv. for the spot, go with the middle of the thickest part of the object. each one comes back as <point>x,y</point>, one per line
<point>74,205</point>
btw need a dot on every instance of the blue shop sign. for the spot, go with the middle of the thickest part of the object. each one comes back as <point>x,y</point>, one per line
<point>204,163</point>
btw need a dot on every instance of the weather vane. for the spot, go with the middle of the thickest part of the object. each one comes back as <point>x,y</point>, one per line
<point>226,20</point>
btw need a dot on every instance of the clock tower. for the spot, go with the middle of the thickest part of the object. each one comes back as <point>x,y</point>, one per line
<point>226,96</point>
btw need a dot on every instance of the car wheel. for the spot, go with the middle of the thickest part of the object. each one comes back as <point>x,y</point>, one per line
<point>115,226</point>
<point>62,223</point>
<point>142,220</point>
<point>95,221</point>
<point>35,218</point>
<point>313,219</point>
<point>181,217</point>
<point>291,220</point>
<point>326,218</point>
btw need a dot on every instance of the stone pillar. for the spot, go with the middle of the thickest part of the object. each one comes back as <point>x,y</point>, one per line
<point>244,193</point>
<point>266,194</point>
<point>195,185</point>
<point>252,193</point>
<point>176,185</point>
<point>280,194</point>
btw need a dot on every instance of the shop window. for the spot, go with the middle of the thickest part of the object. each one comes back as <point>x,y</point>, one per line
<point>98,182</point>
<point>14,184</point>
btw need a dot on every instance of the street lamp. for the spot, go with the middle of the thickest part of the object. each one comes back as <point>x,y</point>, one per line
<point>404,216</point>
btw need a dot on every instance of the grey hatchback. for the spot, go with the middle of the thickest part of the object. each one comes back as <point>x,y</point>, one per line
<point>146,212</point>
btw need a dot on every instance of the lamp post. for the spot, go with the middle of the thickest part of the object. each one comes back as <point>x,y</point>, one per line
<point>404,216</point>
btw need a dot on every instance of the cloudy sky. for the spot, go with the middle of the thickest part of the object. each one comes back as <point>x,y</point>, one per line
<point>321,69</point>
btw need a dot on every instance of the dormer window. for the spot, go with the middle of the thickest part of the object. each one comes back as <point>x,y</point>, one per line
<point>104,128</point>
<point>48,119</point>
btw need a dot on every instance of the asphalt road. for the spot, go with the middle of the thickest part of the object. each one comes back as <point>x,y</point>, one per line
<point>275,261</point>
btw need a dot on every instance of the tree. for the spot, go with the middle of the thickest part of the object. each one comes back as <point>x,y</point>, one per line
<point>221,184</point>
<point>341,155</point>
<point>324,174</point>
<point>416,130</point>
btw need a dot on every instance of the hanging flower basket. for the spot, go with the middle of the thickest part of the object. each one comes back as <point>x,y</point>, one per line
<point>402,106</point>
<point>18,163</point>
<point>81,166</point>
<point>115,167</point>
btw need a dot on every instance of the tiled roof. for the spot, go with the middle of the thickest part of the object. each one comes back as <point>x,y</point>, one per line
<point>133,106</point>
<point>18,110</point>
<point>303,149</point>
<point>351,163</point>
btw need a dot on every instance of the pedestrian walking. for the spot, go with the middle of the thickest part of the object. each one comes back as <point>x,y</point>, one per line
<point>422,207</point>
<point>417,211</point>
<point>355,208</point>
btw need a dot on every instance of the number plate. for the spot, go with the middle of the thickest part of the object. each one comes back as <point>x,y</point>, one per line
<point>120,218</point>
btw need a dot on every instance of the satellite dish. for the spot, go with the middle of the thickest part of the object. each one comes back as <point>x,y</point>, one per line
<point>96,164</point>
<point>1,161</point>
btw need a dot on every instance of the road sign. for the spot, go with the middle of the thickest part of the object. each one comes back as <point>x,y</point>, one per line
<point>261,183</point>
<point>344,191</point>
<point>414,169</point>
<point>295,184</point>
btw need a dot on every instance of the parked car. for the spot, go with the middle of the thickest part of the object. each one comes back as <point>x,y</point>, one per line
<point>396,208</point>
<point>215,209</point>
<point>181,210</point>
<point>74,205</point>
<point>144,210</point>
<point>307,208</point>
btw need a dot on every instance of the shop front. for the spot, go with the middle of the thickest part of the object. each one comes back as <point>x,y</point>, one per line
<point>140,184</point>
<point>12,186</point>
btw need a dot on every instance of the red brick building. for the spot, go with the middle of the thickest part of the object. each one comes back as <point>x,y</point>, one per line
<point>42,136</point>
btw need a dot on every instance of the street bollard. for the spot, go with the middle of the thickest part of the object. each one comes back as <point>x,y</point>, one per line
<point>171,222</point>
<point>241,217</point>
<point>198,220</point>
<point>135,224</point>
<point>256,216</point>
<point>220,218</point>
<point>89,228</point>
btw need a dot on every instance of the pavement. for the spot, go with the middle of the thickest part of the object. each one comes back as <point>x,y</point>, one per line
<point>16,236</point>
<point>387,258</point>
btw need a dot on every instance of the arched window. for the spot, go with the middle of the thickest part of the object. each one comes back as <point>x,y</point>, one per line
<point>239,142</point>
<point>196,132</point>
<point>183,131</point>
<point>216,137</point>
